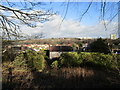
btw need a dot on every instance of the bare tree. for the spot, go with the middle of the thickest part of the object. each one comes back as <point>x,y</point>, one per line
<point>10,22</point>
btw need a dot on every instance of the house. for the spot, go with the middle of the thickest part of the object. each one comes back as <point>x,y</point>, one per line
<point>56,51</point>
<point>38,47</point>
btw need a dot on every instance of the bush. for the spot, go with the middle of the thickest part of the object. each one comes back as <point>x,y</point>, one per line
<point>87,59</point>
<point>100,60</point>
<point>39,62</point>
<point>54,64</point>
<point>29,59</point>
<point>104,60</point>
<point>118,60</point>
<point>85,56</point>
<point>19,61</point>
<point>70,59</point>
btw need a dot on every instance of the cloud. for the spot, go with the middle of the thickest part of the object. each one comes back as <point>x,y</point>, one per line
<point>70,28</point>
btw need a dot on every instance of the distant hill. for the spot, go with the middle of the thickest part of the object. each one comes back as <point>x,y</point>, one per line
<point>53,41</point>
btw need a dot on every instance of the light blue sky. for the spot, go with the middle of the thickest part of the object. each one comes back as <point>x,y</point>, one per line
<point>76,9</point>
<point>74,12</point>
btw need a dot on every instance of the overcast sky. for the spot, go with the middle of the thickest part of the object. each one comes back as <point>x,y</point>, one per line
<point>91,24</point>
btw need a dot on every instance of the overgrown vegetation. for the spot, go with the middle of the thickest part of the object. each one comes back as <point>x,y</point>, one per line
<point>98,60</point>
<point>75,69</point>
<point>28,60</point>
<point>55,64</point>
<point>70,59</point>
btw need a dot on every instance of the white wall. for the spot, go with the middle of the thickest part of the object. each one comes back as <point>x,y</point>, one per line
<point>55,54</point>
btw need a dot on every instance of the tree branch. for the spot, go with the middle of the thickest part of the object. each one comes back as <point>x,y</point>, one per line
<point>86,10</point>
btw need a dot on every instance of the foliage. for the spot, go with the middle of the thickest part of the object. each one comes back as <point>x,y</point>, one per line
<point>70,59</point>
<point>8,55</point>
<point>80,44</point>
<point>54,64</point>
<point>7,42</point>
<point>100,46</point>
<point>118,60</point>
<point>19,61</point>
<point>116,41</point>
<point>29,59</point>
<point>39,62</point>
<point>103,60</point>
<point>43,53</point>
<point>100,60</point>
<point>87,59</point>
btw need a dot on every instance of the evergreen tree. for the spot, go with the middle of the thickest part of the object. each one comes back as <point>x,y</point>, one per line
<point>99,46</point>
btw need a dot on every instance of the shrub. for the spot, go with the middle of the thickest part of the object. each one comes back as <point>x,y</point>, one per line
<point>99,60</point>
<point>70,59</point>
<point>85,56</point>
<point>87,59</point>
<point>118,60</point>
<point>19,61</point>
<point>54,64</point>
<point>29,59</point>
<point>104,60</point>
<point>39,62</point>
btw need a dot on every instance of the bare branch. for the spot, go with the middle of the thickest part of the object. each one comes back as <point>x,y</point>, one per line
<point>86,10</point>
<point>115,14</point>
<point>104,5</point>
<point>11,28</point>
<point>65,13</point>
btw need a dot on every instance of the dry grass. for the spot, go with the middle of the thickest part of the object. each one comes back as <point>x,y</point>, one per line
<point>72,72</point>
<point>62,78</point>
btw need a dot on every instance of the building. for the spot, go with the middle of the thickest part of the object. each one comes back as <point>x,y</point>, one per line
<point>38,47</point>
<point>113,36</point>
<point>56,51</point>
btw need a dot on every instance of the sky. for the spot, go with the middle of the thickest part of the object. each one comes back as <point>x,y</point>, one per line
<point>90,26</point>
